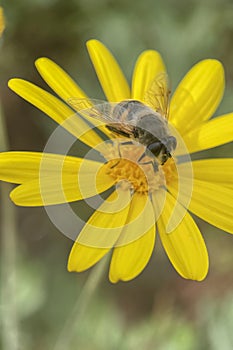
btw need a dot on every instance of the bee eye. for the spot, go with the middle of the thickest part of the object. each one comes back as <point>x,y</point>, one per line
<point>155,148</point>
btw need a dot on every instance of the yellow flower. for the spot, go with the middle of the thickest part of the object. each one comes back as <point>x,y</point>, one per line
<point>127,220</point>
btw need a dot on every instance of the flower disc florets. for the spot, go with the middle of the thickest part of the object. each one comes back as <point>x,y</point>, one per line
<point>124,166</point>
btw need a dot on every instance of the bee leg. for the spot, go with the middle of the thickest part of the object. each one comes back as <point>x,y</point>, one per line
<point>113,166</point>
<point>152,162</point>
<point>119,151</point>
<point>141,157</point>
<point>155,166</point>
<point>125,143</point>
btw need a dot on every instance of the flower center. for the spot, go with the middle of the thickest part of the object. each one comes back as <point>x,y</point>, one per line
<point>131,172</point>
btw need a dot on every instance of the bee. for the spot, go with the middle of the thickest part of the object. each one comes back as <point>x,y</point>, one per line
<point>145,123</point>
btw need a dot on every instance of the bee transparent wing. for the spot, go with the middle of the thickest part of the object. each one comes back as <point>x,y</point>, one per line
<point>80,103</point>
<point>98,109</point>
<point>109,114</point>
<point>181,104</point>
<point>158,94</point>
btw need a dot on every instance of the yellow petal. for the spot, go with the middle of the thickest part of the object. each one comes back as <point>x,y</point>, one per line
<point>19,167</point>
<point>100,232</point>
<point>66,88</point>
<point>147,68</point>
<point>211,202</point>
<point>218,171</point>
<point>105,225</point>
<point>140,220</point>
<point>62,187</point>
<point>184,246</point>
<point>56,109</point>
<point>58,79</point>
<point>2,21</point>
<point>108,71</point>
<point>130,259</point>
<point>215,132</point>
<point>83,257</point>
<point>198,95</point>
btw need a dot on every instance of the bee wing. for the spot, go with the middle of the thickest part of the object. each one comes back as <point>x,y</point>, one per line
<point>181,104</point>
<point>106,113</point>
<point>98,109</point>
<point>158,94</point>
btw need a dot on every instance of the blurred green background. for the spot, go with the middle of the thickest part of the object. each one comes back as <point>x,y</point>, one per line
<point>159,309</point>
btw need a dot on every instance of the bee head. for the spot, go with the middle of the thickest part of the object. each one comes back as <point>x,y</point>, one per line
<point>155,148</point>
<point>162,149</point>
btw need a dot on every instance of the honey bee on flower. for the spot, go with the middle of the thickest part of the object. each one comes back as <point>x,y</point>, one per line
<point>138,121</point>
<point>150,186</point>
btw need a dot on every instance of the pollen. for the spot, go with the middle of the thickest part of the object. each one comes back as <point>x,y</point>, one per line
<point>128,172</point>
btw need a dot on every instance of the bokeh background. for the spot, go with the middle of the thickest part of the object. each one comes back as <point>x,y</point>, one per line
<point>159,309</point>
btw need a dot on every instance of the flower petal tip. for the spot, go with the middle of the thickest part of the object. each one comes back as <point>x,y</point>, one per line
<point>41,60</point>
<point>215,65</point>
<point>11,83</point>
<point>117,278</point>
<point>113,279</point>
<point>13,198</point>
<point>72,264</point>
<point>199,275</point>
<point>15,83</point>
<point>93,42</point>
<point>70,267</point>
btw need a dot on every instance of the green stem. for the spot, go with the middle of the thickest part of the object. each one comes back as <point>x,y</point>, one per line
<point>78,313</point>
<point>9,318</point>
